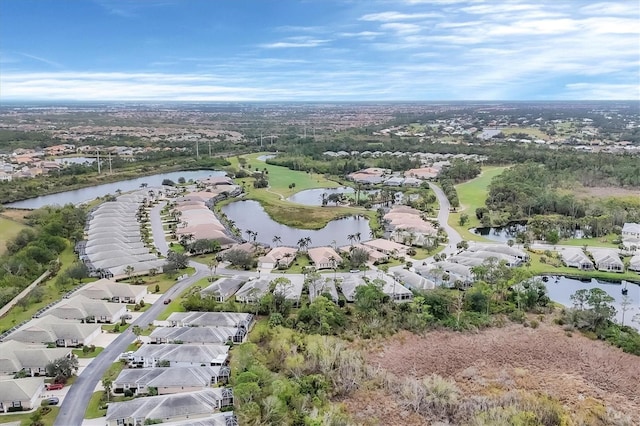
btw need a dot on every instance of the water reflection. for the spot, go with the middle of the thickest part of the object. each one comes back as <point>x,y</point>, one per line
<point>561,288</point>
<point>78,196</point>
<point>251,215</point>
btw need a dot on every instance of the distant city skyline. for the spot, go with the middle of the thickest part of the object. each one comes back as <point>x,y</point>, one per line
<point>319,50</point>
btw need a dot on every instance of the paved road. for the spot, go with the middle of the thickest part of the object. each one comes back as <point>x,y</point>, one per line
<point>443,218</point>
<point>75,403</point>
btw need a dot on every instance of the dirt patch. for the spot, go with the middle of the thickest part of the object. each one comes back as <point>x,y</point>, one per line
<point>606,192</point>
<point>574,370</point>
<point>15,214</point>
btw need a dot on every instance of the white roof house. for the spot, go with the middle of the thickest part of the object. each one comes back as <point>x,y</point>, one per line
<point>213,319</point>
<point>631,230</point>
<point>349,285</point>
<point>17,356</point>
<point>323,286</point>
<point>456,271</point>
<point>226,418</point>
<point>173,407</point>
<point>80,307</point>
<point>387,247</point>
<point>169,380</point>
<point>278,257</point>
<point>181,355</point>
<point>500,248</point>
<point>413,281</point>
<point>574,257</point>
<point>20,393</point>
<point>224,288</point>
<point>291,289</point>
<point>50,329</point>
<point>253,290</point>
<point>634,263</point>
<point>198,335</point>
<point>113,291</point>
<point>607,259</point>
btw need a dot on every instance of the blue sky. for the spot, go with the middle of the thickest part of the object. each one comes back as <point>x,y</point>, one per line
<point>319,50</point>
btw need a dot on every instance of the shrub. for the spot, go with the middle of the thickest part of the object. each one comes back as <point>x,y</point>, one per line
<point>534,324</point>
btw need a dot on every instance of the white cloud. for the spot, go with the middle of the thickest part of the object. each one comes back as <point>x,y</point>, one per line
<point>401,28</point>
<point>397,16</point>
<point>295,42</point>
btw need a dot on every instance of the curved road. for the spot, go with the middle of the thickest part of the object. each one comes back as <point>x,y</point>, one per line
<point>443,219</point>
<point>77,399</point>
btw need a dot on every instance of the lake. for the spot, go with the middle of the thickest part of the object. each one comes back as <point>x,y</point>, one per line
<point>251,215</point>
<point>510,231</point>
<point>313,197</point>
<point>561,288</point>
<point>83,195</point>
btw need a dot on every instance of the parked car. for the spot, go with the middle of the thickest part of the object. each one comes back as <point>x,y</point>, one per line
<point>55,386</point>
<point>53,400</point>
<point>167,301</point>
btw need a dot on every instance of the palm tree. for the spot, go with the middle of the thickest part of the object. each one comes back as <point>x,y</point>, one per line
<point>307,241</point>
<point>351,238</point>
<point>276,240</point>
<point>301,244</point>
<point>357,235</point>
<point>249,233</point>
<point>333,260</point>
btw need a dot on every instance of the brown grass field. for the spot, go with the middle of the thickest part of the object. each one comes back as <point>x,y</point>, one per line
<point>583,375</point>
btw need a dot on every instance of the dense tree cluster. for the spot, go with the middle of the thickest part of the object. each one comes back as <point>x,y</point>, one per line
<point>36,249</point>
<point>532,191</point>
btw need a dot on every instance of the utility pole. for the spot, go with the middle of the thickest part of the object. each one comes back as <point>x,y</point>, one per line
<point>110,169</point>
<point>98,156</point>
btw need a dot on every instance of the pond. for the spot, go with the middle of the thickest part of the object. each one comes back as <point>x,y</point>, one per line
<point>510,231</point>
<point>82,195</point>
<point>561,288</point>
<point>313,197</point>
<point>250,215</point>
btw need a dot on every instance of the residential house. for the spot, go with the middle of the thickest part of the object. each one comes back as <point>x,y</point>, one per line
<point>634,263</point>
<point>212,319</point>
<point>321,287</point>
<point>172,407</point>
<point>105,289</point>
<point>396,291</point>
<point>290,287</point>
<point>17,356</point>
<point>324,257</point>
<point>226,418</point>
<point>500,248</point>
<point>253,290</point>
<point>436,272</point>
<point>631,230</point>
<point>413,281</point>
<point>390,248</point>
<point>607,259</point>
<point>375,256</point>
<point>349,285</point>
<point>90,310</point>
<point>169,380</point>
<point>198,335</point>
<point>278,257</point>
<point>180,355</point>
<point>50,329</point>
<point>224,288</point>
<point>20,394</point>
<point>574,257</point>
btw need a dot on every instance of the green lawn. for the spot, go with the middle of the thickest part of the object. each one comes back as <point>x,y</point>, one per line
<point>164,282</point>
<point>8,230</point>
<point>472,194</point>
<point>93,409</point>
<point>273,199</point>
<point>176,304</point>
<point>80,354</point>
<point>605,241</point>
<point>538,268</point>
<point>109,327</point>
<point>24,419</point>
